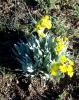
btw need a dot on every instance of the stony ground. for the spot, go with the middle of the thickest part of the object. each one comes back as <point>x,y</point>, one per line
<point>16,86</point>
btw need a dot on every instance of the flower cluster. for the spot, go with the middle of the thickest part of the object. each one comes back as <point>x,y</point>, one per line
<point>65,65</point>
<point>61,43</point>
<point>54,49</point>
<point>43,23</point>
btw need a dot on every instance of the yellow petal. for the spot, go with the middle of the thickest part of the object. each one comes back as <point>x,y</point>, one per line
<point>55,66</point>
<point>63,68</point>
<point>46,24</point>
<point>53,72</point>
<point>40,34</point>
<point>63,59</point>
<point>46,17</point>
<point>70,73</point>
<point>58,39</point>
<point>69,68</point>
<point>65,39</point>
<point>71,62</point>
<point>59,48</point>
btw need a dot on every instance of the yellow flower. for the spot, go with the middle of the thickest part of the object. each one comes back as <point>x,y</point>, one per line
<point>70,74</point>
<point>61,43</point>
<point>46,24</point>
<point>40,33</point>
<point>49,24</point>
<point>71,62</point>
<point>46,17</point>
<point>58,39</point>
<point>70,70</point>
<point>67,69</point>
<point>54,68</point>
<point>61,39</point>
<point>58,48</point>
<point>38,27</point>
<point>63,59</point>
<point>53,72</point>
<point>65,65</point>
<point>68,65</point>
<point>65,38</point>
<point>63,68</point>
<point>43,23</point>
